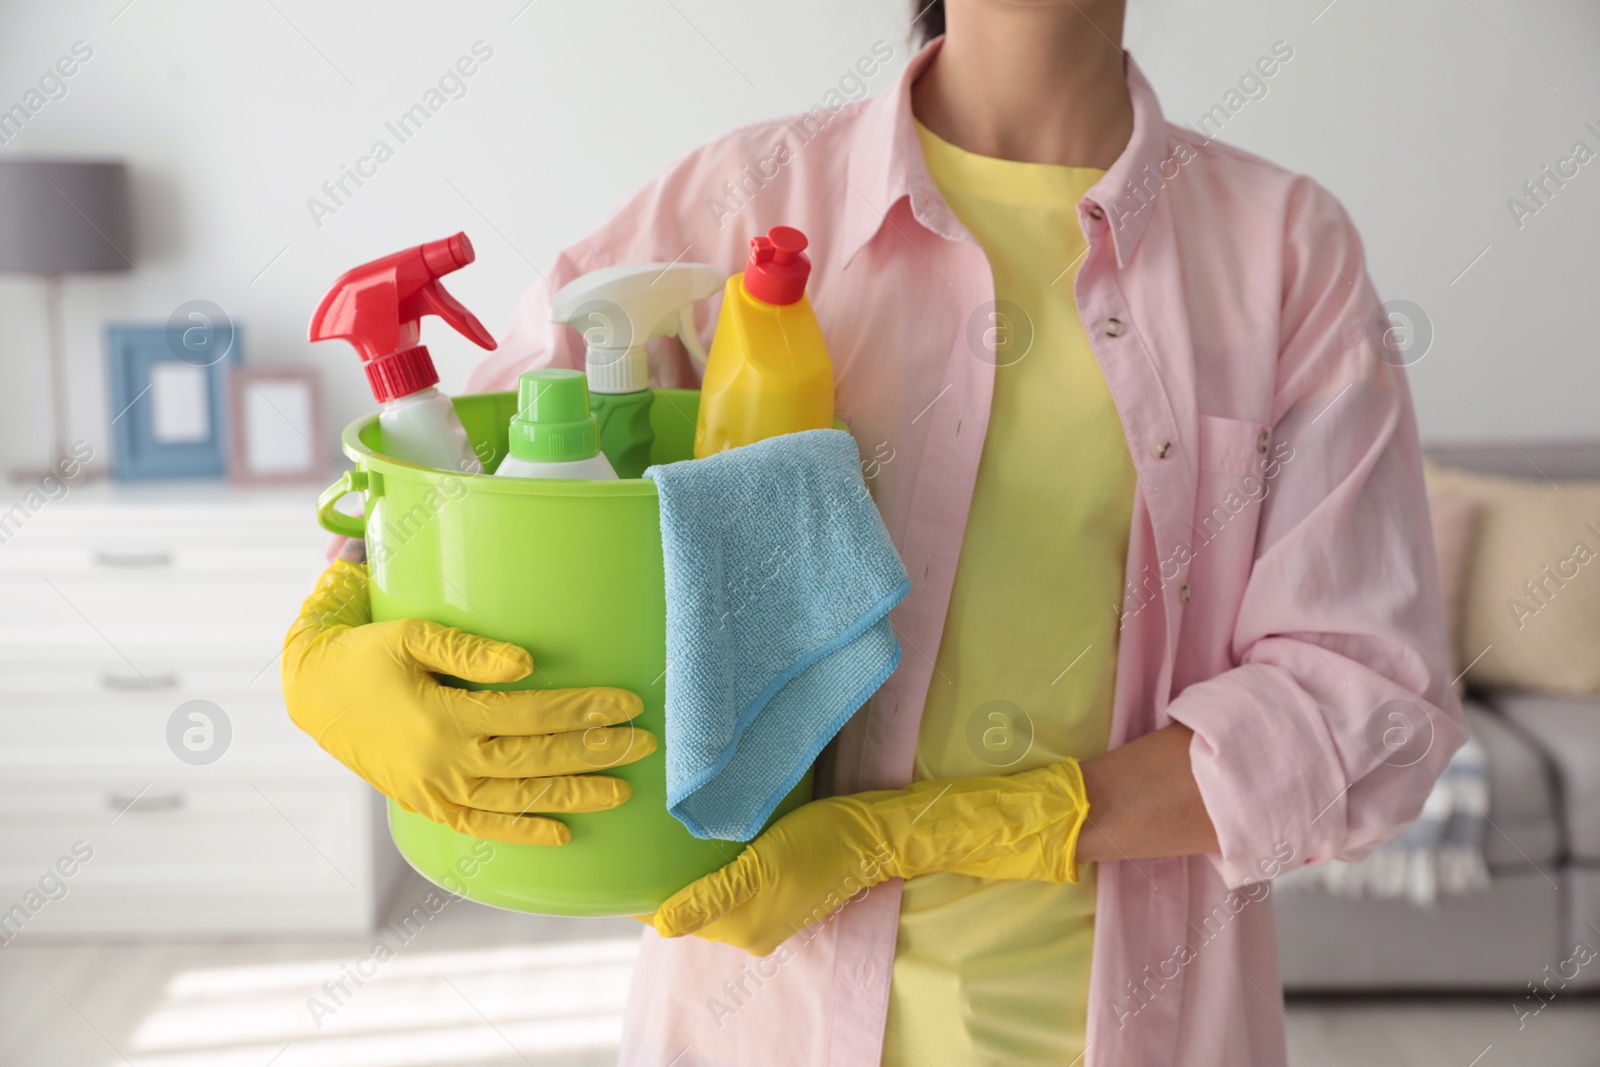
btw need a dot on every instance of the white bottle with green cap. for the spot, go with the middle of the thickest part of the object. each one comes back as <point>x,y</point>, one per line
<point>554,434</point>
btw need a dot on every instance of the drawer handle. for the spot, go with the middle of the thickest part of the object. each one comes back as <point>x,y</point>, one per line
<point>160,558</point>
<point>122,683</point>
<point>144,802</point>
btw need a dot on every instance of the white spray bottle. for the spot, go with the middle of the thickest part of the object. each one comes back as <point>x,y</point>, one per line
<point>617,309</point>
<point>378,307</point>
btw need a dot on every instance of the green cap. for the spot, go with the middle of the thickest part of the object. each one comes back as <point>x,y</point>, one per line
<point>553,422</point>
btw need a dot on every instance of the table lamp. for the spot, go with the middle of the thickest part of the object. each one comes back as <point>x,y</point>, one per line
<point>61,217</point>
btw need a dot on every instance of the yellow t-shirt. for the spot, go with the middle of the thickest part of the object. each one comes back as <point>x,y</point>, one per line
<point>989,972</point>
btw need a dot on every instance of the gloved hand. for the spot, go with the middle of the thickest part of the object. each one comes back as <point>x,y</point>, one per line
<point>477,761</point>
<point>809,863</point>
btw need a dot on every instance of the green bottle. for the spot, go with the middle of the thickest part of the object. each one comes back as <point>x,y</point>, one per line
<point>625,434</point>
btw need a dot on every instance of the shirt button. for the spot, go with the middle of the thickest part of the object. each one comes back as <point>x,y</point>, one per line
<point>1263,441</point>
<point>1114,327</point>
<point>1183,592</point>
<point>1160,448</point>
<point>1095,213</point>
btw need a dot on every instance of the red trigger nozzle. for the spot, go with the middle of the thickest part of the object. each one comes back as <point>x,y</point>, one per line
<point>378,308</point>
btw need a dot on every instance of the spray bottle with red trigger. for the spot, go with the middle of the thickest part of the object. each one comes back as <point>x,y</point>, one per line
<point>378,308</point>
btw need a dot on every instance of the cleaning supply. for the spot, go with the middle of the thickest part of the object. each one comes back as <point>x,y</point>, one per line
<point>378,308</point>
<point>779,580</point>
<point>813,860</point>
<point>571,571</point>
<point>769,371</point>
<point>618,309</point>
<point>553,434</point>
<point>478,762</point>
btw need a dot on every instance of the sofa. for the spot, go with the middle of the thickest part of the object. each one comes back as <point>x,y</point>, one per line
<point>1539,920</point>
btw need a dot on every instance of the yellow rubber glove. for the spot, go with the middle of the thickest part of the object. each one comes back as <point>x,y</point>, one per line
<point>477,761</point>
<point>809,863</point>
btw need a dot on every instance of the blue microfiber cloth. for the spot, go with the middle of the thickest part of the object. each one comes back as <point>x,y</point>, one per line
<point>779,579</point>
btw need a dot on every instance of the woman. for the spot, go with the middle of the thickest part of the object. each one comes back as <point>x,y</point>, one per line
<point>1160,497</point>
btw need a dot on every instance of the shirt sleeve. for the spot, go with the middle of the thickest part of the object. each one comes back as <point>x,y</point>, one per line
<point>1326,738</point>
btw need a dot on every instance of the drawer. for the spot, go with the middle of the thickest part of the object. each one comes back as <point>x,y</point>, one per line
<point>187,837</point>
<point>103,737</point>
<point>146,600</point>
<point>160,556</point>
<point>185,859</point>
<point>214,541</point>
<point>178,618</point>
<point>103,676</point>
<point>153,651</point>
<point>101,714</point>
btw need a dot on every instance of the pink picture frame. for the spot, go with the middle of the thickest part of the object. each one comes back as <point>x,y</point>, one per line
<point>275,426</point>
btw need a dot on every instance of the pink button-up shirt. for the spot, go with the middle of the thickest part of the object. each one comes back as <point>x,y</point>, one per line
<point>1281,596</point>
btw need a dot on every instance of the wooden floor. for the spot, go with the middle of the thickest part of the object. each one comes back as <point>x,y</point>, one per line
<point>473,987</point>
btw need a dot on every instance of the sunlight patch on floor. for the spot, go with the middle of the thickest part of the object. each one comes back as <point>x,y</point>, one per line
<point>456,1007</point>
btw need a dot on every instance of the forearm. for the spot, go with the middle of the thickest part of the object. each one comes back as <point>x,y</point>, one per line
<point>1143,801</point>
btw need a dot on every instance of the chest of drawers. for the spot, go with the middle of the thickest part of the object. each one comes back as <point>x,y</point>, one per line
<point>119,606</point>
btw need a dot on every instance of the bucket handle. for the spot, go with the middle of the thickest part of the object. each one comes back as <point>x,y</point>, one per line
<point>337,522</point>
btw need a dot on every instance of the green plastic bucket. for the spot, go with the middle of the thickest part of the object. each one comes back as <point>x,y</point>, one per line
<point>571,571</point>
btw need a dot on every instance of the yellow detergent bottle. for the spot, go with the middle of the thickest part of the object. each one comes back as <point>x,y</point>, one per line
<point>768,372</point>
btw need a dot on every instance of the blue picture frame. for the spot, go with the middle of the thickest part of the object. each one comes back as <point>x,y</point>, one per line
<point>133,353</point>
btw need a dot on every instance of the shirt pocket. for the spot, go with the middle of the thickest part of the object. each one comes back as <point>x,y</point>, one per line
<point>1232,446</point>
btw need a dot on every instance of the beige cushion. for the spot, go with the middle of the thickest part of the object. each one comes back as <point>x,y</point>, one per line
<point>1531,616</point>
<point>1455,534</point>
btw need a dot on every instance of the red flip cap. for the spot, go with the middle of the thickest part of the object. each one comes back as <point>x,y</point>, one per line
<point>378,308</point>
<point>778,267</point>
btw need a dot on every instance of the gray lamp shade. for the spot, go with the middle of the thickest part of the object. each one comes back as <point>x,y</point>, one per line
<point>63,217</point>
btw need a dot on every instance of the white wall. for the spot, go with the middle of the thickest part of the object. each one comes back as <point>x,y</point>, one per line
<point>1423,118</point>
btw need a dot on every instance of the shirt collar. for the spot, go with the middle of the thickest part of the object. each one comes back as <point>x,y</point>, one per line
<point>886,166</point>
